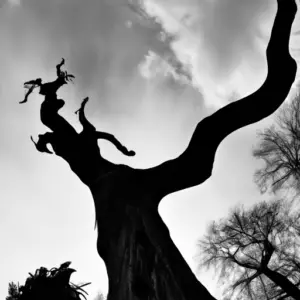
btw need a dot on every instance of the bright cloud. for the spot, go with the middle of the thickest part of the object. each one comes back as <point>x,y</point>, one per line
<point>221,43</point>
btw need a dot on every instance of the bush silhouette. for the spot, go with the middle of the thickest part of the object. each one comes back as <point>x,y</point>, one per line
<point>48,285</point>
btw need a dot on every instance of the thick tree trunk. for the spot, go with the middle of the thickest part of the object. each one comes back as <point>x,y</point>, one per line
<point>141,259</point>
<point>283,282</point>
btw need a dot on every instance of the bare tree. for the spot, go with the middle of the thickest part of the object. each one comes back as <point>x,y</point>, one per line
<point>255,252</point>
<point>279,148</point>
<point>141,259</point>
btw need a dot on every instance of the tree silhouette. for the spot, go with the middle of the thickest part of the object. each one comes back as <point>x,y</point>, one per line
<point>141,259</point>
<point>256,251</point>
<point>279,148</point>
<point>48,285</point>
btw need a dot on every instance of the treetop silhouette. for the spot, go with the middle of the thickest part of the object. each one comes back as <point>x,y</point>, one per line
<point>49,88</point>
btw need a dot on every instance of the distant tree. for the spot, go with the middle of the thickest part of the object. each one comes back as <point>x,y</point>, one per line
<point>47,284</point>
<point>279,147</point>
<point>255,252</point>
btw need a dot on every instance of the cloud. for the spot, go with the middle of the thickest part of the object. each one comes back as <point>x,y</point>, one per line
<point>14,2</point>
<point>155,65</point>
<point>220,43</point>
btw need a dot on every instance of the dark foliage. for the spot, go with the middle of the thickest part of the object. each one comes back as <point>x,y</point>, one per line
<point>53,284</point>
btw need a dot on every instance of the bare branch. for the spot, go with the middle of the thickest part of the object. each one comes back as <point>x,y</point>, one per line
<point>279,148</point>
<point>241,247</point>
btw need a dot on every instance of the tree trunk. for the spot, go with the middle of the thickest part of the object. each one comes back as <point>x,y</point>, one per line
<point>283,282</point>
<point>141,259</point>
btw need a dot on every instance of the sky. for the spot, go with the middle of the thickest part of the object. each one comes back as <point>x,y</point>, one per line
<point>152,70</point>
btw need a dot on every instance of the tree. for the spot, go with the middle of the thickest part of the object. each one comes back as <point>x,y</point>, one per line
<point>279,148</point>
<point>256,251</point>
<point>48,285</point>
<point>141,259</point>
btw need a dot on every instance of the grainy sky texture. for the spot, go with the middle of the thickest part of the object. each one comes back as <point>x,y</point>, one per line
<point>152,70</point>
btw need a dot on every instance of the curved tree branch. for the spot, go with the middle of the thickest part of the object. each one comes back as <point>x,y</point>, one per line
<point>195,164</point>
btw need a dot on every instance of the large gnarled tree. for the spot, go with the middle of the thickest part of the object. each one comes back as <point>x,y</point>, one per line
<point>141,259</point>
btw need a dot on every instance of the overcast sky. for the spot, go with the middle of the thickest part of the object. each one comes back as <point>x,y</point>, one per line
<point>151,72</point>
